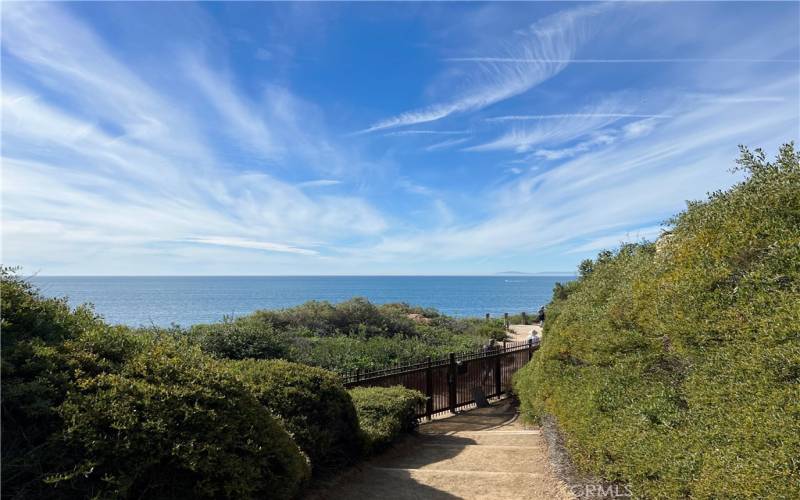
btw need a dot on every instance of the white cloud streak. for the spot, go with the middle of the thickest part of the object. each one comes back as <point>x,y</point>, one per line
<point>427,132</point>
<point>558,128</point>
<point>251,244</point>
<point>612,190</point>
<point>514,60</point>
<point>515,118</point>
<point>319,183</point>
<point>446,144</point>
<point>129,175</point>
<point>545,50</point>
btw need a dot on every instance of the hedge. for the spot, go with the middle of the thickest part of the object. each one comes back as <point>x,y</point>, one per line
<point>384,413</point>
<point>91,411</point>
<point>174,423</point>
<point>313,404</point>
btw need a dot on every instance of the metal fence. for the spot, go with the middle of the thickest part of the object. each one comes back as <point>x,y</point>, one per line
<point>451,383</point>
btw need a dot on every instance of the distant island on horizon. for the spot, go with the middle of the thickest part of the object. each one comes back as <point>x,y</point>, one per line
<point>545,273</point>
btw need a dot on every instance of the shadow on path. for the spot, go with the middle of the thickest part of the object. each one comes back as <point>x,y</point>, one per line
<point>481,453</point>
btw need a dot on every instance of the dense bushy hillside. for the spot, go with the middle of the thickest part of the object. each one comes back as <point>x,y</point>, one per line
<point>675,366</point>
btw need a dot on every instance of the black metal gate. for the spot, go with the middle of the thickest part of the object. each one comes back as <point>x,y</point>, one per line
<point>450,383</point>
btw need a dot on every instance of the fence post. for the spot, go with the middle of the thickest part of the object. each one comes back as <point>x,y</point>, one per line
<point>524,318</point>
<point>452,375</point>
<point>358,374</point>
<point>429,390</point>
<point>505,318</point>
<point>530,349</point>
<point>498,388</point>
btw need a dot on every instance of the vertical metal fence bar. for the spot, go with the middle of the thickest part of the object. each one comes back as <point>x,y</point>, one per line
<point>452,375</point>
<point>498,360</point>
<point>428,390</point>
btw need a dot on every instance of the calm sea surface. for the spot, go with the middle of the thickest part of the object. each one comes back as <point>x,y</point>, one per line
<point>199,299</point>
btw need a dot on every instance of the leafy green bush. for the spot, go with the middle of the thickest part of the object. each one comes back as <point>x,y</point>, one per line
<point>95,411</point>
<point>342,353</point>
<point>385,412</point>
<point>313,405</point>
<point>33,383</point>
<point>675,366</point>
<point>243,338</point>
<point>492,330</point>
<point>173,423</point>
<point>354,317</point>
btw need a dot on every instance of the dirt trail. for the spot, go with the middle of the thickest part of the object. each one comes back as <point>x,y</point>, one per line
<point>481,453</point>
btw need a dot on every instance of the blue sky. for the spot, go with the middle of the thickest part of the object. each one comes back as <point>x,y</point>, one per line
<point>374,138</point>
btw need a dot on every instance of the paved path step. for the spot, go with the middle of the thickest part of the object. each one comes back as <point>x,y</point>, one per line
<point>431,484</point>
<point>469,458</point>
<point>481,453</point>
<point>488,439</point>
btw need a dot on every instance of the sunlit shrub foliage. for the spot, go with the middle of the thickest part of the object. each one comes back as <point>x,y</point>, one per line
<point>384,413</point>
<point>313,405</point>
<point>354,334</point>
<point>675,366</point>
<point>92,411</point>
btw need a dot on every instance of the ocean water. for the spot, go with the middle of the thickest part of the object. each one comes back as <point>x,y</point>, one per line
<point>190,300</point>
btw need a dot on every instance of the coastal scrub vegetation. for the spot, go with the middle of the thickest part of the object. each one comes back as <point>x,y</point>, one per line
<point>674,366</point>
<point>354,334</point>
<point>91,410</point>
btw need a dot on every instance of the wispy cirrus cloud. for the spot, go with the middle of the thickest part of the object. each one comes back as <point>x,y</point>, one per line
<point>319,183</point>
<point>251,244</point>
<point>207,156</point>
<point>518,60</point>
<point>426,132</point>
<point>132,167</point>
<point>446,144</point>
<point>543,51</point>
<point>528,131</point>
<point>604,196</point>
<point>558,116</point>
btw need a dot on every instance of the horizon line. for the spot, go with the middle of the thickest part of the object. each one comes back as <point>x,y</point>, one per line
<point>501,274</point>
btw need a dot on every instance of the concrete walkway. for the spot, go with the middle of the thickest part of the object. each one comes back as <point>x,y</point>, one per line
<point>481,453</point>
<point>522,332</point>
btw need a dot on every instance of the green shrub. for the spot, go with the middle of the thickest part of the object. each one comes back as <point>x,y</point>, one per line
<point>675,366</point>
<point>97,411</point>
<point>313,405</point>
<point>34,381</point>
<point>354,317</point>
<point>342,353</point>
<point>492,330</point>
<point>242,338</point>
<point>385,412</point>
<point>173,423</point>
